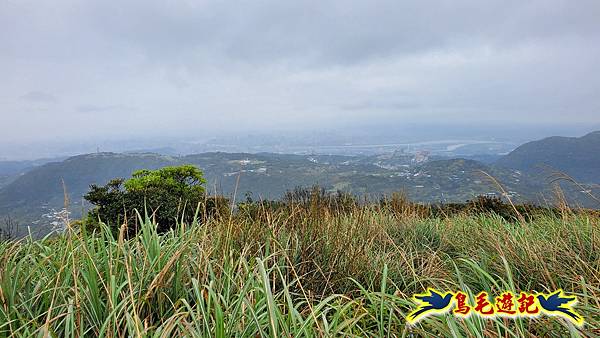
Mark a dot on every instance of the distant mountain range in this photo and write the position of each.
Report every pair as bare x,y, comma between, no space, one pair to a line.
10,170
577,156
34,194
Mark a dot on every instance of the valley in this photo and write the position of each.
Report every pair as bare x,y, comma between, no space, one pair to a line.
35,195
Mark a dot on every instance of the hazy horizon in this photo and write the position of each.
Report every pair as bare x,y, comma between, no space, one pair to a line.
292,140
77,75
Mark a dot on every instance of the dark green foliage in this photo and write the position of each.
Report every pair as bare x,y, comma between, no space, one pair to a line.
400,204
318,199
170,196
486,205
300,202
575,156
315,202
9,229
259,210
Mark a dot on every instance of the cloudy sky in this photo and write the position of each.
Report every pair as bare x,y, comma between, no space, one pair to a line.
98,68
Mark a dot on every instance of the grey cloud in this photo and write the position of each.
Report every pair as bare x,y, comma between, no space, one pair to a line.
91,108
381,105
199,66
337,32
39,97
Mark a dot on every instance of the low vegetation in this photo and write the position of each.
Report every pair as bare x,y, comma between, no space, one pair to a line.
169,189
312,264
312,272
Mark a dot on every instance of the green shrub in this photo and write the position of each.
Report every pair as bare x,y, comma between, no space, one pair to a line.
169,196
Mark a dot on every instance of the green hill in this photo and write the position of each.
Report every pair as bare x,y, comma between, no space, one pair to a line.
11,170
577,157
35,197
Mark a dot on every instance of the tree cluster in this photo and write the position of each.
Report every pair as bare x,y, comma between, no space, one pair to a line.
170,196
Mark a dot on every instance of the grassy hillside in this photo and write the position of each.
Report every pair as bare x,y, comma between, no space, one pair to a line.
312,272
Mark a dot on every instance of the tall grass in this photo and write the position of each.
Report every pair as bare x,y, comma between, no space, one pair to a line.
296,275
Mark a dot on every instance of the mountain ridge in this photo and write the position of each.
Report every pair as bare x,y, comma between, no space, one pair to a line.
575,156
39,191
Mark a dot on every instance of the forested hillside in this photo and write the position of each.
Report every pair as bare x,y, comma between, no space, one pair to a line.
579,157
36,196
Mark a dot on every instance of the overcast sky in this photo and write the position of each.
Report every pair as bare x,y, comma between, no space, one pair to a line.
98,68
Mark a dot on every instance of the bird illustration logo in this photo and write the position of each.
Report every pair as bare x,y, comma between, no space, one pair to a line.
430,302
527,305
558,304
